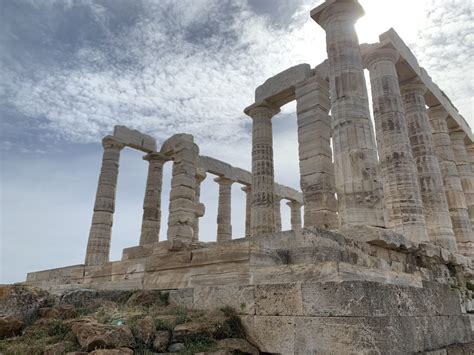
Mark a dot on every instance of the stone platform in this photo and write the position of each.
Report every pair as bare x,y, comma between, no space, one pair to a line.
358,290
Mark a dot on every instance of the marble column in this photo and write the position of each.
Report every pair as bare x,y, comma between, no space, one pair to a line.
224,226
200,177
295,208
183,209
248,207
151,221
277,211
317,179
452,182
470,152
262,216
463,163
430,180
403,205
98,246
358,187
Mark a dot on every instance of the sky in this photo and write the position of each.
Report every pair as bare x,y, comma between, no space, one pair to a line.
70,70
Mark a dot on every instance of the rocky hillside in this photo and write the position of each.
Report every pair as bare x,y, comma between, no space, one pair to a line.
84,321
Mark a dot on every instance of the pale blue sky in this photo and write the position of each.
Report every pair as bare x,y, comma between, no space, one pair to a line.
71,70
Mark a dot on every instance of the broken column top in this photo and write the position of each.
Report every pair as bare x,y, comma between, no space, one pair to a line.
135,139
319,13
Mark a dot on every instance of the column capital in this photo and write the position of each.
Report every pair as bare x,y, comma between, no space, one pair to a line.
438,111
414,85
200,175
247,189
222,180
457,134
336,9
261,108
155,156
377,54
112,142
294,204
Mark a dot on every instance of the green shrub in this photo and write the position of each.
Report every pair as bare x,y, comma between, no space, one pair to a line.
470,285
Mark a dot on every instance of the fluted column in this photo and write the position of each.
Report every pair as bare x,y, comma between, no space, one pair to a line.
430,180
470,153
452,182
224,226
463,163
98,246
248,207
295,208
152,202
200,177
262,216
358,188
317,179
402,195
277,211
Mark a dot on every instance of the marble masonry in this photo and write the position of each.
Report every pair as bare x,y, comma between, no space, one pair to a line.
380,255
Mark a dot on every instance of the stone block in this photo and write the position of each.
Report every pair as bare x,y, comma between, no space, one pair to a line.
168,261
183,297
240,298
280,88
226,252
166,279
271,334
135,139
278,299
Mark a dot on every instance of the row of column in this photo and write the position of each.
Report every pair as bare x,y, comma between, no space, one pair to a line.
98,247
421,162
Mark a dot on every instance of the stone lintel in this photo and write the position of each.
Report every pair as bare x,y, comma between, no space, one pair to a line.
135,139
280,89
320,13
408,67
156,156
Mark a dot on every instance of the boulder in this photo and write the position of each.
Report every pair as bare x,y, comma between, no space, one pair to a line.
145,331
176,348
65,311
91,334
57,349
10,327
162,339
23,303
146,298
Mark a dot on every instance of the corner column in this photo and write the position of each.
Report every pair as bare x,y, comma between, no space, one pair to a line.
248,207
398,171
262,215
317,179
98,245
152,202
277,211
358,188
430,180
224,226
463,164
295,208
452,182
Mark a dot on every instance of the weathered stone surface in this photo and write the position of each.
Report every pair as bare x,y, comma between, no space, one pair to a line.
240,298
278,299
92,335
121,351
162,339
239,346
22,303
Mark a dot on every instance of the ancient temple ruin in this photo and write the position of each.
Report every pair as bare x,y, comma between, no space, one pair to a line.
385,258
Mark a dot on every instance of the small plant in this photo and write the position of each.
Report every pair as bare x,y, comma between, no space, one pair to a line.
182,315
470,286
232,326
58,328
165,298
196,343
242,306
162,325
